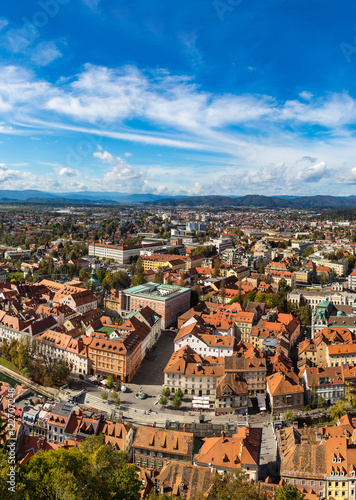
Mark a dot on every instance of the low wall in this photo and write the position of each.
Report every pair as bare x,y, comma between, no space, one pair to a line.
45,391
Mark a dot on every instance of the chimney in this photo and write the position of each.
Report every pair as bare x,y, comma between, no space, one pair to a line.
223,434
154,424
184,427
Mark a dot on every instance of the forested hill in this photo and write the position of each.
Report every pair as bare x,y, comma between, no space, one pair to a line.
260,201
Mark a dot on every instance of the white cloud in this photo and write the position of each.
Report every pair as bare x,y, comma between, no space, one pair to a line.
120,175
68,172
18,40
45,53
346,176
313,173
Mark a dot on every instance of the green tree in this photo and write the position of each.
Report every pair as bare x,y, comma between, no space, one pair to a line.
288,492
104,395
290,416
179,392
159,278
176,402
234,486
307,252
163,401
321,402
109,382
337,410
92,472
166,392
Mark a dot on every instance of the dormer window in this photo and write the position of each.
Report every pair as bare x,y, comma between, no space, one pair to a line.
339,460
353,473
332,473
334,459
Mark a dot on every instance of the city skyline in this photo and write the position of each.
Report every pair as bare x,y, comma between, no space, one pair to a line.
222,97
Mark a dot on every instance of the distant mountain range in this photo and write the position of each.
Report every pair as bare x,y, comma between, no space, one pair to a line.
34,196
259,201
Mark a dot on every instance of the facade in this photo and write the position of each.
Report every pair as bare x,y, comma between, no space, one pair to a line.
231,394
249,366
325,382
205,344
121,254
120,358
285,392
244,322
193,374
351,280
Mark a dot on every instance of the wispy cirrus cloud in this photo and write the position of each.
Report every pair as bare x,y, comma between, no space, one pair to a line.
249,133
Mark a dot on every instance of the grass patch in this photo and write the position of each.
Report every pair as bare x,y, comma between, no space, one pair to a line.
9,365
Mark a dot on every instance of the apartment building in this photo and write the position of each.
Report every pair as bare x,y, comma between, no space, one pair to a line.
120,357
327,382
285,392
204,343
61,346
193,374
351,280
244,323
250,366
122,254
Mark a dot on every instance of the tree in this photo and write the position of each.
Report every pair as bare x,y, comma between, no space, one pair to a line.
109,382
288,492
90,472
307,252
177,402
217,267
261,269
222,292
139,278
234,486
159,278
321,402
290,416
166,392
179,392
105,395
163,401
337,410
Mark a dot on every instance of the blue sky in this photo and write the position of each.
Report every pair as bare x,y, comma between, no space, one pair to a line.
192,97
